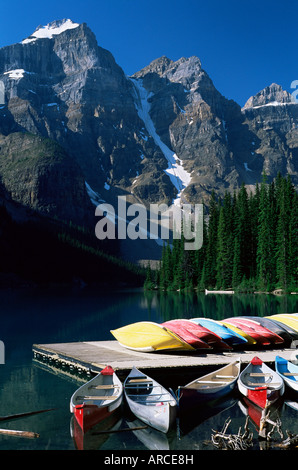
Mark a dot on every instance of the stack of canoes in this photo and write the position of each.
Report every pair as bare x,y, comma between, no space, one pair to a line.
207,334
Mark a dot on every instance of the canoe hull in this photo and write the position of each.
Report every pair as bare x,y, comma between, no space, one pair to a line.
160,417
229,336
211,339
148,336
275,327
250,340
288,372
260,384
88,416
189,397
185,331
209,387
263,336
149,401
286,319
97,399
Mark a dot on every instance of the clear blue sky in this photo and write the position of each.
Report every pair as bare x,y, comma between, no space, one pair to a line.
243,45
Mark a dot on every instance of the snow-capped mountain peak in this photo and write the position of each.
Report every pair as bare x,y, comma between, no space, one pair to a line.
51,29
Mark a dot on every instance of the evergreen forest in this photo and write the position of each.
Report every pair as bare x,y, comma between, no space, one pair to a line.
250,243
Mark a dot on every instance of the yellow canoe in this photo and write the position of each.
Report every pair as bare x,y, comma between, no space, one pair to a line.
287,319
146,336
249,339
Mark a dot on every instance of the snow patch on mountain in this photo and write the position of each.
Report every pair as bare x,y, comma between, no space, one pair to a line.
17,74
50,30
178,175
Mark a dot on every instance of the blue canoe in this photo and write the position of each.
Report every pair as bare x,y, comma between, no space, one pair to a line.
229,336
288,371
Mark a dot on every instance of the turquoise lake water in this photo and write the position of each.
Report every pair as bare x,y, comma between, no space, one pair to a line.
49,316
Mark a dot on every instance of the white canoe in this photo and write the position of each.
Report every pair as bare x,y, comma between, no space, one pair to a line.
149,401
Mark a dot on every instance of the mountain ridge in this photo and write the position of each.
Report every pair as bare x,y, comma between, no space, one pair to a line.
61,85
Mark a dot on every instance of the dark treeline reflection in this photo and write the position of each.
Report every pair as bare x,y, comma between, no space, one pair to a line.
170,305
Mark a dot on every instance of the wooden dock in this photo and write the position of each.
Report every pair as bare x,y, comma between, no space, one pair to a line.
94,355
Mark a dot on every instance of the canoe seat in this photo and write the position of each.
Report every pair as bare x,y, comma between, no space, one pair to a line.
225,377
104,387
260,374
263,384
139,381
96,397
218,382
289,373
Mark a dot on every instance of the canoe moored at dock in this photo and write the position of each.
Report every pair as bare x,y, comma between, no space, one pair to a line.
229,336
263,336
97,399
288,372
260,384
212,340
186,334
149,401
211,386
146,336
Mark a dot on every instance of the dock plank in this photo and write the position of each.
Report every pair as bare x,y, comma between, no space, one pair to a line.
94,355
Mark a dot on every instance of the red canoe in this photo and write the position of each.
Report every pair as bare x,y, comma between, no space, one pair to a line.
262,335
260,384
97,399
198,331
186,335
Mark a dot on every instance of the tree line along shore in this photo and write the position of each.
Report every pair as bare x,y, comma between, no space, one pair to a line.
250,243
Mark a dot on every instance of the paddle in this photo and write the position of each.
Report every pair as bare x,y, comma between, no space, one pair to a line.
23,415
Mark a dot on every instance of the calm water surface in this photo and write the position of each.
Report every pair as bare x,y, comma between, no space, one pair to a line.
49,316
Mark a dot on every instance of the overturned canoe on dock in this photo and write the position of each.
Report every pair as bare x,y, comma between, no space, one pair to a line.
186,333
278,328
97,399
229,336
250,340
210,386
204,334
286,319
146,336
149,401
263,336
260,384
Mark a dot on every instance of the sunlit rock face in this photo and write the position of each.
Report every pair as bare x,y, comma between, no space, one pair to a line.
165,134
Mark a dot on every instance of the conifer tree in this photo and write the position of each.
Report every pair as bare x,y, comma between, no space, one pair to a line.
211,246
237,274
264,249
242,231
283,243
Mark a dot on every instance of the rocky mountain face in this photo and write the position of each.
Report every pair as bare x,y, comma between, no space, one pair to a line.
75,130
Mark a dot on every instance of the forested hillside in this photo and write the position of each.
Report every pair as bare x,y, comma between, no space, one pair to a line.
250,243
